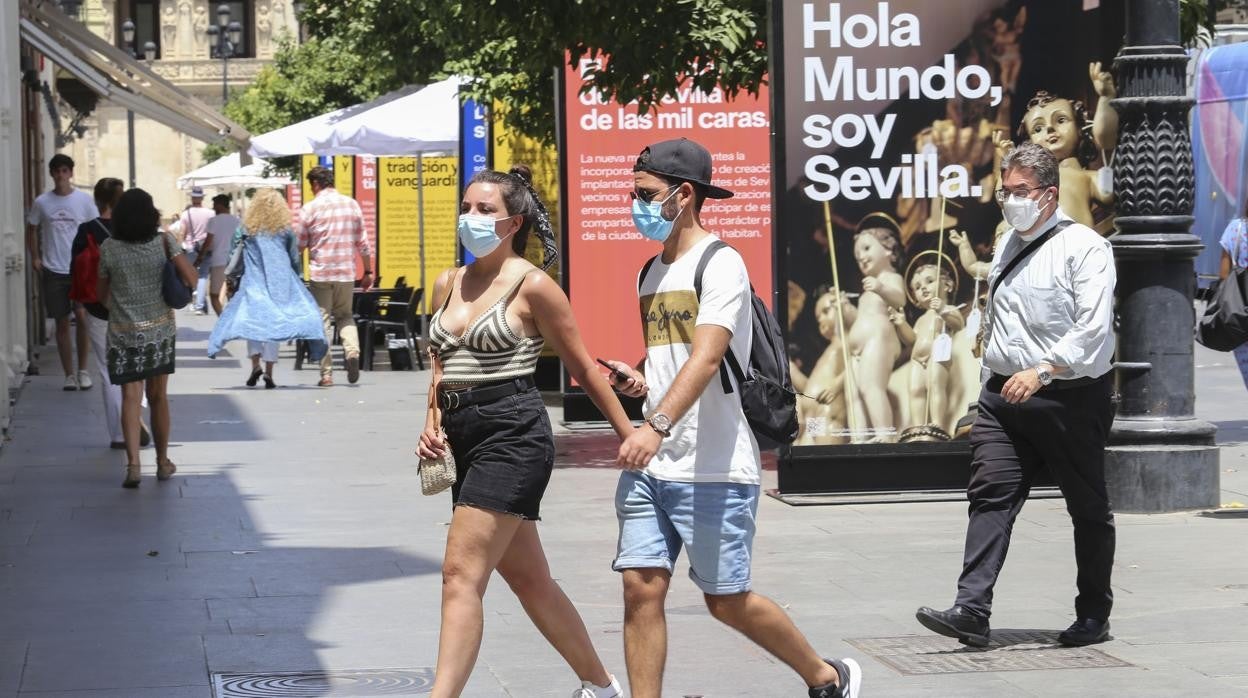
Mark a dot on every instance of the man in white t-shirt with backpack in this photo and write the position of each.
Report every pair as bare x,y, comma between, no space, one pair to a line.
692,472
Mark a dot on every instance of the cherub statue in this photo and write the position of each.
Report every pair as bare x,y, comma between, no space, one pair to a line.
932,287
873,342
825,386
1006,38
1062,126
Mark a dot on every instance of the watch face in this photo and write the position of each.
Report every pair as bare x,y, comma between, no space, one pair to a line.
661,422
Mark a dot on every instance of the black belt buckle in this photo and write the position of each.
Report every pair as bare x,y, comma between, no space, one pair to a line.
450,399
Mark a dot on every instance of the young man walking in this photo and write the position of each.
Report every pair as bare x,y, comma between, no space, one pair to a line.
1049,343
331,229
692,475
53,223
221,229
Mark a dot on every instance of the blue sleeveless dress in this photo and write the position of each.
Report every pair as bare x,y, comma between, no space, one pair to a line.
272,304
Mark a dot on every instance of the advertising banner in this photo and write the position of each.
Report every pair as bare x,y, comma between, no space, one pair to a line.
892,119
513,148
416,220
474,146
344,174
604,252
365,186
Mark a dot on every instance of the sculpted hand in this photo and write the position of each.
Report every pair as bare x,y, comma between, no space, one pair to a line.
1102,81
936,304
896,316
958,238
431,443
870,285
639,448
1021,386
633,386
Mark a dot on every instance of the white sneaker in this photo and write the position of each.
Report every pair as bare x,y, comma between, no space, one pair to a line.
84,380
71,382
589,690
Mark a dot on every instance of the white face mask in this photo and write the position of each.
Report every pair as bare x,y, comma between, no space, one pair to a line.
1022,212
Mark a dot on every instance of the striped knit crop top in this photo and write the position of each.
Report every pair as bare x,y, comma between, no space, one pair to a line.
489,349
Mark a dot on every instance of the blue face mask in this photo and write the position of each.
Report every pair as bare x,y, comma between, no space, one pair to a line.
648,217
477,234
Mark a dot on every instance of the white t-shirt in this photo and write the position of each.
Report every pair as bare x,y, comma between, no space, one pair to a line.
712,442
58,218
222,228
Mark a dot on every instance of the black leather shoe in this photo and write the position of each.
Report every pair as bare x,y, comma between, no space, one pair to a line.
1085,631
958,623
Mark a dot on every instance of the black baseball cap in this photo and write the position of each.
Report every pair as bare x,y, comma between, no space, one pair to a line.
681,159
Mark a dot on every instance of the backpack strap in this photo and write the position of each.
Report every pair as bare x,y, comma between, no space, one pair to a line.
645,269
729,360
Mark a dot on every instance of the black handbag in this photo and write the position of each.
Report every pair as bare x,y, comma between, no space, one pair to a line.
175,292
1224,325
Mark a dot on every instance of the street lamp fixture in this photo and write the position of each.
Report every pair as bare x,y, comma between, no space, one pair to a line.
224,39
223,15
149,51
71,7
127,33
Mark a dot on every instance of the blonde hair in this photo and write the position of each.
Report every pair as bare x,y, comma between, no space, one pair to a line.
267,214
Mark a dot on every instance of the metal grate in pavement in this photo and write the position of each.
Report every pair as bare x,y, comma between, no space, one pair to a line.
1010,650
324,684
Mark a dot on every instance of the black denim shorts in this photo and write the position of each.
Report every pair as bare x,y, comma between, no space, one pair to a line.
504,454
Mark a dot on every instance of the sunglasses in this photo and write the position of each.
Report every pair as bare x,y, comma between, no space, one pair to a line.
646,197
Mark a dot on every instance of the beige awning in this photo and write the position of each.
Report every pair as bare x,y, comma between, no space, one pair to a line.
121,79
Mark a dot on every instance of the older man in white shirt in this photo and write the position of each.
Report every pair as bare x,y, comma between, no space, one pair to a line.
1048,347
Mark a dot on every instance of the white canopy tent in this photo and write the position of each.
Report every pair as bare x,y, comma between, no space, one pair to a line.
229,173
295,139
422,123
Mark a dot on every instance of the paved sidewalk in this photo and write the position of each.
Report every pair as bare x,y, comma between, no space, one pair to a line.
294,539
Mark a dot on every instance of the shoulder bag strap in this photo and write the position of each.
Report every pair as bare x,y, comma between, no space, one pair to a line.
1026,252
729,359
645,269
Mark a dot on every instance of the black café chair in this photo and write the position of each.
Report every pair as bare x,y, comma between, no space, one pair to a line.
389,310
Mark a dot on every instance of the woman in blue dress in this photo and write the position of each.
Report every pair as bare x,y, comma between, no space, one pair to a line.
271,303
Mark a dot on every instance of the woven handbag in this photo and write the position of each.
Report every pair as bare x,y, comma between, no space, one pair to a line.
437,474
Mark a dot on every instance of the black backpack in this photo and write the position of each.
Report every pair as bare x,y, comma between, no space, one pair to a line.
767,395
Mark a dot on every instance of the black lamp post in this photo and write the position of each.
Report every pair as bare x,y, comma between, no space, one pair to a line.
298,6
70,7
1160,457
149,54
224,38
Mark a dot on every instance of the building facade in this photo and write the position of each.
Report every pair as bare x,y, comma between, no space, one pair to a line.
179,29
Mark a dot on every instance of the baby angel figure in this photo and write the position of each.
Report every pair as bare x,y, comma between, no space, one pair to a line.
823,407
873,343
932,288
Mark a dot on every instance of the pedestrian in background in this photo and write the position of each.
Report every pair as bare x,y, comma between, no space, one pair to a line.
693,470
331,229
494,316
53,222
271,304
94,232
221,229
1049,343
142,332
197,242
1234,244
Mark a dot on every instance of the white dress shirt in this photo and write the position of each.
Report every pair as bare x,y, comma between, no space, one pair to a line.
1056,306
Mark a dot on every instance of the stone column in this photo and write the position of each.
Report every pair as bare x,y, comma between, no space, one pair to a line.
1160,458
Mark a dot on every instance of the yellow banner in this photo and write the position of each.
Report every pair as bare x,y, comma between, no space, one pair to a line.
307,162
399,221
511,148
344,175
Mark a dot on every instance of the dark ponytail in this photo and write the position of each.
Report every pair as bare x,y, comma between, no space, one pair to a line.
521,199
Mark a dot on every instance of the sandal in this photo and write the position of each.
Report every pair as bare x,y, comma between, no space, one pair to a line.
165,470
254,377
132,477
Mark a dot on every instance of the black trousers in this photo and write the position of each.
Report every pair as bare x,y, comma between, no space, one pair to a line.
1064,430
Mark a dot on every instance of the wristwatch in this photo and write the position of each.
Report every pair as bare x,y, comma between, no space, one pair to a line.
660,423
1045,375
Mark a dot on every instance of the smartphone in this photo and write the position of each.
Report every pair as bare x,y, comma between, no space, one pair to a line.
619,375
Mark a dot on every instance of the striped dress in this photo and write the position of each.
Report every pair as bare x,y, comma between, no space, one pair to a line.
489,350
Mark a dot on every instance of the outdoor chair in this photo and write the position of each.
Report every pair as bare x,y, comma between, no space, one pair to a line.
394,310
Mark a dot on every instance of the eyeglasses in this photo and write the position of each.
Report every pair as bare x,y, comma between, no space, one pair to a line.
1020,192
646,197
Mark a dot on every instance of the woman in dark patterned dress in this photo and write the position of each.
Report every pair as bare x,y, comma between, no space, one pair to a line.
141,327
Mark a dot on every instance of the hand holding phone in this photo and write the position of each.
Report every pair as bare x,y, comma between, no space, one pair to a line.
616,373
625,383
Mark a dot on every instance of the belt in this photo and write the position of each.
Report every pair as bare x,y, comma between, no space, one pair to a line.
997,381
451,400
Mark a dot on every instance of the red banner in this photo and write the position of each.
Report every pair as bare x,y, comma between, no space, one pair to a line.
604,251
366,197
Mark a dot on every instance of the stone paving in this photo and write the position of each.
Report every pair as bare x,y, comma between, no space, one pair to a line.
294,540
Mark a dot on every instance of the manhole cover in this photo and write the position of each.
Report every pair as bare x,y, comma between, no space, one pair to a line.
324,684
1017,650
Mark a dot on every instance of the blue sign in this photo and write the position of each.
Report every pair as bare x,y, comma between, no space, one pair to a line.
474,149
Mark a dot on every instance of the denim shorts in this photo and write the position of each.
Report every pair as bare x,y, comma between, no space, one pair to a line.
504,454
713,520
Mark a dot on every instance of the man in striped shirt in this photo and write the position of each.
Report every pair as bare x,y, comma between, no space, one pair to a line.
331,229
